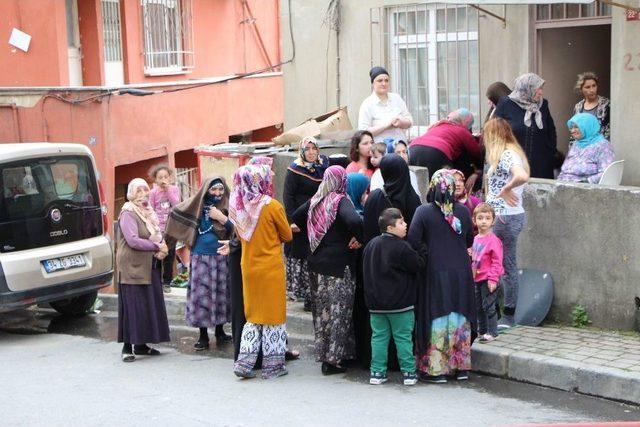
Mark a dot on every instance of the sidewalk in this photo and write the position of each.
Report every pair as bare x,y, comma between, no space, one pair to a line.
597,363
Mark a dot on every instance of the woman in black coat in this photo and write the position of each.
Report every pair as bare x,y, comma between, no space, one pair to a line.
530,119
301,183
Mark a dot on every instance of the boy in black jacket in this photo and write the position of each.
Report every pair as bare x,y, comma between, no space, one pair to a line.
389,265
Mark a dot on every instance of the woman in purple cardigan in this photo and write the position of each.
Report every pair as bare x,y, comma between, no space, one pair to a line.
142,316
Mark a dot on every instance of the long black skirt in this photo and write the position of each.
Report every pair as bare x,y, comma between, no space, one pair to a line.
142,315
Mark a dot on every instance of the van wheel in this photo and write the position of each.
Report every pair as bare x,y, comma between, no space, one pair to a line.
76,306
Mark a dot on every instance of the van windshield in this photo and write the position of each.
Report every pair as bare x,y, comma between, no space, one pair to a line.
47,201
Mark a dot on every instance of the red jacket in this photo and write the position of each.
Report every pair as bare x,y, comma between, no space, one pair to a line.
451,139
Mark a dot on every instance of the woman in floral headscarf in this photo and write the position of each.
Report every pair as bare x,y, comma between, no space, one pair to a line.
142,316
334,229
445,311
301,182
261,225
530,119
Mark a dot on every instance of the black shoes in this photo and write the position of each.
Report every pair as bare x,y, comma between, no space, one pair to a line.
329,369
201,345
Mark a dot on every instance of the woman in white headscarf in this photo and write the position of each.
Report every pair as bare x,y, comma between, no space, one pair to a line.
142,316
530,119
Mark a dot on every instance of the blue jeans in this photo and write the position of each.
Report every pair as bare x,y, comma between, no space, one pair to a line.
508,228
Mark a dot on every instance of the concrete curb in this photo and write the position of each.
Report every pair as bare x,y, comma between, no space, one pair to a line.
548,371
563,374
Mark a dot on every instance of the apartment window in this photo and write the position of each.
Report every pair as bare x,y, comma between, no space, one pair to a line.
432,53
168,37
568,11
111,30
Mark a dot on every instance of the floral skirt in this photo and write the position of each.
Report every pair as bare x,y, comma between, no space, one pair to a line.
333,317
208,294
298,277
449,347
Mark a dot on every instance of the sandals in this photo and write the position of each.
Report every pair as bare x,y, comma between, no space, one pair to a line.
291,355
128,357
145,350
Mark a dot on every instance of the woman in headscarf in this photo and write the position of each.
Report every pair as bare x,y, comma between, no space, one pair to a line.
530,119
448,142
397,192
300,184
334,229
142,316
357,185
261,225
445,311
384,114
590,153
208,297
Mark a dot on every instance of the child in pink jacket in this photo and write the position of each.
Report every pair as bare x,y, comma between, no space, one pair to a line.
486,262
163,198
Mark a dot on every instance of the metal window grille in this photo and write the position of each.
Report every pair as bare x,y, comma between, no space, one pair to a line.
432,53
168,36
570,11
187,181
111,30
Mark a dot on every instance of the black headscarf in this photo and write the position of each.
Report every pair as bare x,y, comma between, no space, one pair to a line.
376,71
397,193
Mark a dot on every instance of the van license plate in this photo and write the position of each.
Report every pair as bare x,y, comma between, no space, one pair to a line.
64,263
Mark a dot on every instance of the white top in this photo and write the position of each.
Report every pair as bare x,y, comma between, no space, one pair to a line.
374,112
499,178
378,182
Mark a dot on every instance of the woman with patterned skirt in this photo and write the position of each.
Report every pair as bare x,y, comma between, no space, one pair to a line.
334,229
441,232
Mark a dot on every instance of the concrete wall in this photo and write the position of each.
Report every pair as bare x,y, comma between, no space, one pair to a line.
625,93
588,238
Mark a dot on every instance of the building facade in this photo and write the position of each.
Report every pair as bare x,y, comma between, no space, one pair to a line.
141,82
442,56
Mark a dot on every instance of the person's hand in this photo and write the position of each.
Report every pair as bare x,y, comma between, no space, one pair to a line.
217,215
295,228
162,247
160,255
471,182
396,122
492,286
354,244
509,196
470,251
224,249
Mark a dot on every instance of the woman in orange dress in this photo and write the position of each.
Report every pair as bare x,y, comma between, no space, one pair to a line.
262,226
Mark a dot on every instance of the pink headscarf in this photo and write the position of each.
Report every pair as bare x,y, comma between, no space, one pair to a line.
263,161
323,208
252,191
139,205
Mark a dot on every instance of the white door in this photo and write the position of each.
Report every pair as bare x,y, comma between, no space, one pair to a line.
113,65
73,43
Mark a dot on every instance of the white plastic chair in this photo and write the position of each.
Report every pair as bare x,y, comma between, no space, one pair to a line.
612,175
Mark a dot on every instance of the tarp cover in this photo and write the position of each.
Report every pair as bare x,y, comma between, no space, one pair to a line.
521,2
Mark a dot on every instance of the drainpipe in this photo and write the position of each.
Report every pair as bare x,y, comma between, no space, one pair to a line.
338,67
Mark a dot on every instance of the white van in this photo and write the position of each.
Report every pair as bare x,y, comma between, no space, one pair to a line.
54,245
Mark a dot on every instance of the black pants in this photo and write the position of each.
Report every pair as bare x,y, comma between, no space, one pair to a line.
167,266
434,160
486,308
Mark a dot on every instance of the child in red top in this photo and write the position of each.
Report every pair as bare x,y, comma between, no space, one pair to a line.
486,263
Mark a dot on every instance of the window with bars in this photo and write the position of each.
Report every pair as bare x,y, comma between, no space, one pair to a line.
432,53
111,30
168,37
567,11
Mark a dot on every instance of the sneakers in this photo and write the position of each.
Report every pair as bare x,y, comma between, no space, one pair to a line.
378,378
462,375
434,379
409,378
486,338
506,322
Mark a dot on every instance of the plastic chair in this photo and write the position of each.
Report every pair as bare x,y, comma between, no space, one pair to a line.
612,175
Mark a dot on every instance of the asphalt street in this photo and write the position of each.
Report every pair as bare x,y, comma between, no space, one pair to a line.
57,371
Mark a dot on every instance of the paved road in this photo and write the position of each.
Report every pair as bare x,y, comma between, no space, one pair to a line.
58,371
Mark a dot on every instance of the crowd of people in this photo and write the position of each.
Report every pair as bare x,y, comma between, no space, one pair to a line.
390,281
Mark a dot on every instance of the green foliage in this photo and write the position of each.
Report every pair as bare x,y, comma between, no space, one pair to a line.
579,317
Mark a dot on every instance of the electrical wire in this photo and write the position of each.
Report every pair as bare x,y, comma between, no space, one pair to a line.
143,92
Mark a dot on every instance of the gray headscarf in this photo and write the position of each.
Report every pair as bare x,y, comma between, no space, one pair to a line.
524,90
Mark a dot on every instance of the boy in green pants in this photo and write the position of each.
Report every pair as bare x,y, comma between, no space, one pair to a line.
389,265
